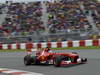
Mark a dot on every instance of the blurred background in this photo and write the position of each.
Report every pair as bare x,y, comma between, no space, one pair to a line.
49,20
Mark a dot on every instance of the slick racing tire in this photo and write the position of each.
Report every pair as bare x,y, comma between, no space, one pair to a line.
57,61
27,60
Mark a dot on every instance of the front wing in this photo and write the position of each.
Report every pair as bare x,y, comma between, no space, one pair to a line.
79,61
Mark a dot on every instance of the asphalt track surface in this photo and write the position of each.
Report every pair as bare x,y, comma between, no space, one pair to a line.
92,67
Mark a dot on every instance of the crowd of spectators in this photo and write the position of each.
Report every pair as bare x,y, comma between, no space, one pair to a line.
66,15
1,8
94,8
22,19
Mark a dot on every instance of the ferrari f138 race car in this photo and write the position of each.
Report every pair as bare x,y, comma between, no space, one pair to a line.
57,59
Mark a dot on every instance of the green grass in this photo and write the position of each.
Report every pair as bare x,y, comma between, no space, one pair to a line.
77,48
69,48
74,48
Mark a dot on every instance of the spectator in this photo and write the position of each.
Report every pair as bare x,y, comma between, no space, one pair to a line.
65,16
23,19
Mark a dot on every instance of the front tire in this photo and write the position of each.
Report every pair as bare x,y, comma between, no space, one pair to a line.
57,61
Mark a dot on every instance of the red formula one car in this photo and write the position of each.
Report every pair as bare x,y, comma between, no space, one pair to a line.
57,59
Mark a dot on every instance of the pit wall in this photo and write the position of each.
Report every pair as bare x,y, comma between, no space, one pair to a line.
58,44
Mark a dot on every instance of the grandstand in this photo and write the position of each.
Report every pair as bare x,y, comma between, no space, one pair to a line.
52,20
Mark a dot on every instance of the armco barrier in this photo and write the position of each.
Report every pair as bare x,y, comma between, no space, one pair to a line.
51,44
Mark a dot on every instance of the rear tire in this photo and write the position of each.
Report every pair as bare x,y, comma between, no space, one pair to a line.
27,60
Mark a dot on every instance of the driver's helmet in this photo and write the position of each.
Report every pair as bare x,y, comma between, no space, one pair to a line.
47,49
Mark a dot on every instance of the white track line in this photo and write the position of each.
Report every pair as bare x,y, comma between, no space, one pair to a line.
17,72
